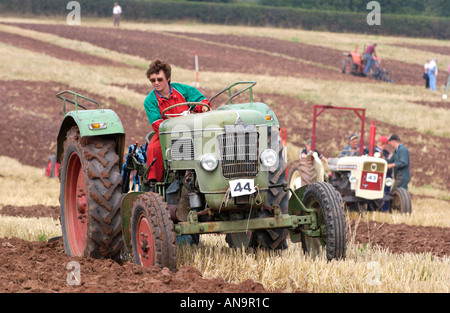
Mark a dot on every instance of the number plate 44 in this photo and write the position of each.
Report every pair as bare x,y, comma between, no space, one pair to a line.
241,187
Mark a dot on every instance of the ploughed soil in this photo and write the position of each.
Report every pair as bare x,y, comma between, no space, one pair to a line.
31,115
44,267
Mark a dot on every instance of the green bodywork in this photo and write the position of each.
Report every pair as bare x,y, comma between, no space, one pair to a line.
201,131
84,119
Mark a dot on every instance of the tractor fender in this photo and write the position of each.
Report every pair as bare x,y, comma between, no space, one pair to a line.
92,123
356,57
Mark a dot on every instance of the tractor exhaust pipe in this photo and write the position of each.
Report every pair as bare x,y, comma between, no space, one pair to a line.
373,129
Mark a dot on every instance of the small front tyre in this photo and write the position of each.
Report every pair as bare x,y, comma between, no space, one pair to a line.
152,236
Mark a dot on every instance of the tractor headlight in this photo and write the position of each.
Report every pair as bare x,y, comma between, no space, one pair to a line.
353,180
389,182
269,158
209,162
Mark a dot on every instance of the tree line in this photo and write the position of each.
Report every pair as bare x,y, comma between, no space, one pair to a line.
403,7
251,14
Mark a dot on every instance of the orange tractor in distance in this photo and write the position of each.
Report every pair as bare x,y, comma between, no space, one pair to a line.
355,64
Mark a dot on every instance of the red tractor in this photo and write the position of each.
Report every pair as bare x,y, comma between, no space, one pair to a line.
355,64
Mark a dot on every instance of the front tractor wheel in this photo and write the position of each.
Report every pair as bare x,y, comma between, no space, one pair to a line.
90,197
323,198
152,236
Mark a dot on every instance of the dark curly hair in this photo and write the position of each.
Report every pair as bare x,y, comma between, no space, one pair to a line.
156,66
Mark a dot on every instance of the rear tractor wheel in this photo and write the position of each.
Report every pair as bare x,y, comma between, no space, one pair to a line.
90,197
401,201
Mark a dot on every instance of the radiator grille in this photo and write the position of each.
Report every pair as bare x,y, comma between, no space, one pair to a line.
182,149
239,154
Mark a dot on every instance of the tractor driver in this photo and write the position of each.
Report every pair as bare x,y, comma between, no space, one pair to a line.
370,53
352,149
165,94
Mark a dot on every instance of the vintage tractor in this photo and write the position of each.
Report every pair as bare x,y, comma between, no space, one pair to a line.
355,64
224,173
361,180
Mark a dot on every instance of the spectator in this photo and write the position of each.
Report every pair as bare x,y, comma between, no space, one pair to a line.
448,79
352,149
432,73
425,74
307,149
399,162
370,53
381,147
117,12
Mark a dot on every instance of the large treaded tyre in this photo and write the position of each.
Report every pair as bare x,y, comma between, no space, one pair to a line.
302,172
152,236
91,197
327,201
401,201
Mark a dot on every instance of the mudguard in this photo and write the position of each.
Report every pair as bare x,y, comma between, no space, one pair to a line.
99,122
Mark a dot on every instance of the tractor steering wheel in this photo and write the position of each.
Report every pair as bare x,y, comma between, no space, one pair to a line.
190,104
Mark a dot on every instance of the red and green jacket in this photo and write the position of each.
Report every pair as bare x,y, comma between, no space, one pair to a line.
154,103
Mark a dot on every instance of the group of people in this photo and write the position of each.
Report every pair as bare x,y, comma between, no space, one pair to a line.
398,160
430,72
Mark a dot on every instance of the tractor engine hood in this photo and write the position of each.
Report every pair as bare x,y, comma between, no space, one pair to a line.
213,120
234,138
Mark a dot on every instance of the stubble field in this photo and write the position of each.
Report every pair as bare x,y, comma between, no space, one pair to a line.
294,70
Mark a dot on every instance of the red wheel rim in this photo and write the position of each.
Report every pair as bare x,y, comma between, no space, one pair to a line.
75,206
48,168
57,167
144,241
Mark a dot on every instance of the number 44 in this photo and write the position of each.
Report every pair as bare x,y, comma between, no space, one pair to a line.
239,188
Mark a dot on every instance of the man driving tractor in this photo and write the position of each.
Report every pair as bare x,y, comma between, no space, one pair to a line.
164,95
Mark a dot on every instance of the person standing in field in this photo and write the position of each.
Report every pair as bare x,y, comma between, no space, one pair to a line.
425,74
370,53
399,162
432,73
117,12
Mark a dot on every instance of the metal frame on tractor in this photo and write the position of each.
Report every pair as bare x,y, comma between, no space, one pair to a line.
360,180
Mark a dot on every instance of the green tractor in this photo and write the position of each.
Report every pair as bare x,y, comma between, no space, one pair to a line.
224,174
